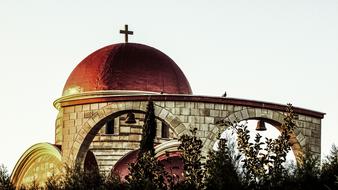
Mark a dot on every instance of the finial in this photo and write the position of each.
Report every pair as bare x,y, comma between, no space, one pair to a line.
126,32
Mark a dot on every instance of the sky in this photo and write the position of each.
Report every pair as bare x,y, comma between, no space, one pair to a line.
282,51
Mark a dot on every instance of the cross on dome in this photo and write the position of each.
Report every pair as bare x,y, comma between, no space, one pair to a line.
126,32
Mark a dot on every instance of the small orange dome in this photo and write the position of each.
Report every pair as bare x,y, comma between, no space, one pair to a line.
127,67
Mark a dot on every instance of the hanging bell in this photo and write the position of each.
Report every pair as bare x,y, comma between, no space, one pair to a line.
260,126
130,118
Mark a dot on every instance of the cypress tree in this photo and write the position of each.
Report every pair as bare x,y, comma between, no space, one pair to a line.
149,131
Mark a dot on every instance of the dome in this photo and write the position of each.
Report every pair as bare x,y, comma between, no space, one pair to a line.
127,67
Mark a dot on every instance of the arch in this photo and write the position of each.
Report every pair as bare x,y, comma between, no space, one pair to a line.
48,154
168,146
272,117
90,128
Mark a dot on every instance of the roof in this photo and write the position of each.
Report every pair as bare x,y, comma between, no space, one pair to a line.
127,67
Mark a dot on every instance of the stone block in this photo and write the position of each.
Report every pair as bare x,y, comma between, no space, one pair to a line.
69,109
315,148
185,111
124,129
72,116
169,104
215,129
78,122
308,119
179,104
157,110
175,122
88,114
180,128
68,123
209,120
214,113
219,106
101,113
163,114
169,117
183,118
308,132
80,115
78,108
224,113
238,108
192,119
136,105
101,105
232,118
94,106
121,106
245,114
301,117
316,121
252,112
66,116
91,122
200,133
124,138
230,108
194,111
129,105
210,105
269,114
204,112
200,105
238,116
86,107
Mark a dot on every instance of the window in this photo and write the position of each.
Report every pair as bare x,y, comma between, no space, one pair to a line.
165,130
110,127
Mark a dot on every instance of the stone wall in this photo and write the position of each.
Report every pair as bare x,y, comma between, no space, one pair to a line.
81,125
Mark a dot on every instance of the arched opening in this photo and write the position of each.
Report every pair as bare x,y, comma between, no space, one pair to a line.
90,163
114,136
256,125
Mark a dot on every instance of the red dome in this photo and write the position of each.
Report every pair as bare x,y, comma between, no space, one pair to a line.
129,67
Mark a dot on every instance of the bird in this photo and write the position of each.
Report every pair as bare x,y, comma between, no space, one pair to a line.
225,94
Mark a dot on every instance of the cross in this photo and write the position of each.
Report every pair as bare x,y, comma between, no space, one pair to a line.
126,33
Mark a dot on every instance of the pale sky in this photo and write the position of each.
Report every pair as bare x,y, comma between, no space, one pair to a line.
276,51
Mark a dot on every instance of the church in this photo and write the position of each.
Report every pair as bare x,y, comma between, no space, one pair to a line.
103,104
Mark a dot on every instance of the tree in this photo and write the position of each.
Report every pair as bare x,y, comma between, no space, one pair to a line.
307,173
330,169
147,172
220,169
149,131
191,147
5,182
263,168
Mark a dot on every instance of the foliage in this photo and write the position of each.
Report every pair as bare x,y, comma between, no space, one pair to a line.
220,169
191,147
330,169
307,174
264,167
76,178
5,182
147,172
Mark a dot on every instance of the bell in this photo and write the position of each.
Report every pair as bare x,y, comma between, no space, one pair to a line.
130,118
260,126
